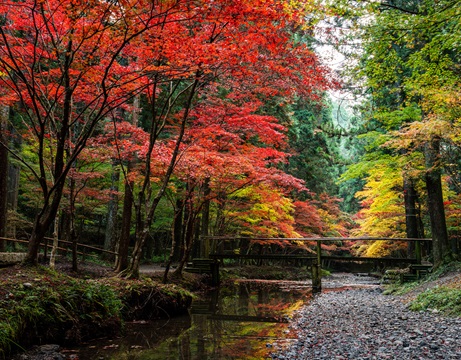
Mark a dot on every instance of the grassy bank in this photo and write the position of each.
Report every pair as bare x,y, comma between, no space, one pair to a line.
39,305
438,292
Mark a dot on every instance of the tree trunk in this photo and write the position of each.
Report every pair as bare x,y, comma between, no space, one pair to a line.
4,112
219,227
54,248
13,191
440,245
188,242
70,233
142,232
204,231
411,220
112,209
124,241
176,230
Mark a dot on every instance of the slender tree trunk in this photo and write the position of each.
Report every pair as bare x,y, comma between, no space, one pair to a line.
142,233
13,191
220,220
54,248
188,243
71,227
4,112
41,225
440,245
124,241
176,231
204,231
112,210
411,220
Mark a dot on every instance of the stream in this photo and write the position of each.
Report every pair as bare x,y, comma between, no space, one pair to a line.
238,322
244,321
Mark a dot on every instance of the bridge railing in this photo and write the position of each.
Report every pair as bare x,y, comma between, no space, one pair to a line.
214,244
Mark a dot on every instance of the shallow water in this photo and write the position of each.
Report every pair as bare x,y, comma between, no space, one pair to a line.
239,322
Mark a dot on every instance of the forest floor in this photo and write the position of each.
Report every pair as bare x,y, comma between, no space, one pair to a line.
352,318
42,306
361,322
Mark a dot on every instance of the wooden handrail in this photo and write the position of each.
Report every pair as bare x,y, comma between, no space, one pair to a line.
360,238
62,241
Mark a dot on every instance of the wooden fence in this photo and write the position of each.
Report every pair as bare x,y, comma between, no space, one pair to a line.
84,246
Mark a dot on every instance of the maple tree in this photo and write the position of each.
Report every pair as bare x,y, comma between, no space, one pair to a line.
240,46
409,72
61,62
169,92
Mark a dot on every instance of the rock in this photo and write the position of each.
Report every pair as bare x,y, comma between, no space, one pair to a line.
362,323
43,352
48,348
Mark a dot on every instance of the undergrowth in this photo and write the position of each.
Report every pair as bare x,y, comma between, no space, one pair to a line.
45,305
444,299
39,305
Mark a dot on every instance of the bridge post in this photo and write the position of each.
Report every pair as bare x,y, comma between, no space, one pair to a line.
316,277
319,252
214,268
418,251
317,269
206,247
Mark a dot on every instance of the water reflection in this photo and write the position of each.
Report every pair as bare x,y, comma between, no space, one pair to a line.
236,322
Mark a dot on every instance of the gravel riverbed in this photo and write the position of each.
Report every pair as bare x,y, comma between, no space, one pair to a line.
359,322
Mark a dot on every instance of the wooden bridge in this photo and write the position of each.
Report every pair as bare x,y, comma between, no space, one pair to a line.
216,252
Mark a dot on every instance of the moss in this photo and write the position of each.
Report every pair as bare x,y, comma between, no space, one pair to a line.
444,299
148,299
38,305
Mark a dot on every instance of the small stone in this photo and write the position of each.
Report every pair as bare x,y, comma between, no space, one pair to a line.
49,348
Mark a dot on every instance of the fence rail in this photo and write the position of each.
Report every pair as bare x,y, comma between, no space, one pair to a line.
63,242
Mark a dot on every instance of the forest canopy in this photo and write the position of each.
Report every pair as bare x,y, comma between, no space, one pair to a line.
142,127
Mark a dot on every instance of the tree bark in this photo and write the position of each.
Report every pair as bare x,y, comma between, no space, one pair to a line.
70,233
411,220
4,113
204,231
112,210
124,241
54,248
142,232
188,241
176,235
13,191
440,245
